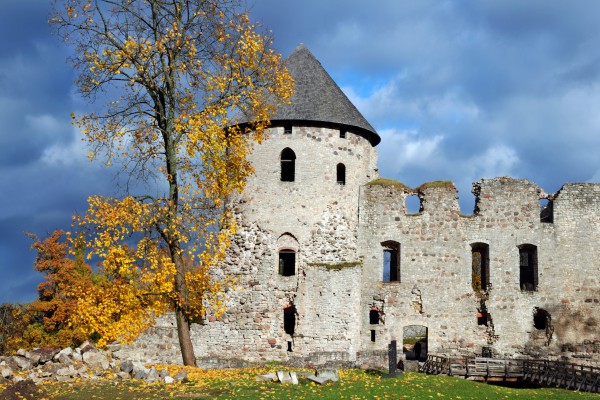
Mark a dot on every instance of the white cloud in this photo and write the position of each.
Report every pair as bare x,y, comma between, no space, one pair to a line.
498,160
405,149
67,154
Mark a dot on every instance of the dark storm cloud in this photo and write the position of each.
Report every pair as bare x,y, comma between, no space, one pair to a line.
458,90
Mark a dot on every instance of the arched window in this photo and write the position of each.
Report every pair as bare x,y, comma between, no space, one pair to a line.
341,174
480,272
528,267
288,165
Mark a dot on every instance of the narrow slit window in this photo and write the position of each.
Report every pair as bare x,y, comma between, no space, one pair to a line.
372,335
391,261
374,316
341,174
528,267
287,262
288,165
343,133
480,272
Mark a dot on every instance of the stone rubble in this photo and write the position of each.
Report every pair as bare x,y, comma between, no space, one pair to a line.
86,361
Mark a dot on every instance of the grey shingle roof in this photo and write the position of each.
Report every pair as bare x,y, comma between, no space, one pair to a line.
318,100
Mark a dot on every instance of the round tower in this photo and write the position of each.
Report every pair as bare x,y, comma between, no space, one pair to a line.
295,254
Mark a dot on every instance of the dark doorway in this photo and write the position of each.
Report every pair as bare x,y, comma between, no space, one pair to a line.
415,342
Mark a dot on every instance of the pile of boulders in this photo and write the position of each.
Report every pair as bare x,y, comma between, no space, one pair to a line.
86,361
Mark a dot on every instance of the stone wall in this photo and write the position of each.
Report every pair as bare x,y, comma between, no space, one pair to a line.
339,233
435,260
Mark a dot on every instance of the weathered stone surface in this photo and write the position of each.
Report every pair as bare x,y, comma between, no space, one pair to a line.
317,379
294,377
266,377
152,375
168,380
127,366
95,360
328,374
22,362
6,372
181,376
284,377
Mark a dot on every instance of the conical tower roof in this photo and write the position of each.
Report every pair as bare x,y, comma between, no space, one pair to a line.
318,100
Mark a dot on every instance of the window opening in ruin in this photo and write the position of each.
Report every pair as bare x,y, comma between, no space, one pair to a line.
374,316
341,174
288,165
480,273
528,267
287,262
413,204
482,318
289,345
414,342
546,211
372,335
287,129
541,319
391,261
289,319
342,133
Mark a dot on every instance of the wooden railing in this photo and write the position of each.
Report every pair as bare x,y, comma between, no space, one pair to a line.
541,372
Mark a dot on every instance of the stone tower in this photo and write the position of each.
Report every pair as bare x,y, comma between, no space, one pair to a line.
295,255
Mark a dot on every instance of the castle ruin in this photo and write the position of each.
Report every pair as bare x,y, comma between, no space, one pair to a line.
331,266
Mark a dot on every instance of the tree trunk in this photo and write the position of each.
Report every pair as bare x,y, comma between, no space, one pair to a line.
185,339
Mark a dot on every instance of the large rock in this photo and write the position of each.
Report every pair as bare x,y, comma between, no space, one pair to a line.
127,366
96,360
181,376
6,372
22,362
152,375
67,351
43,354
328,374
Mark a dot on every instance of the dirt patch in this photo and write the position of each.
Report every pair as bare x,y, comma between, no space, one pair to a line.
23,390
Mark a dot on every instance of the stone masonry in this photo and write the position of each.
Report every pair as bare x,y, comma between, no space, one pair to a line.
314,252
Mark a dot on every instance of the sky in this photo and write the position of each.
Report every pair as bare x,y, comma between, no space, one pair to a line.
458,90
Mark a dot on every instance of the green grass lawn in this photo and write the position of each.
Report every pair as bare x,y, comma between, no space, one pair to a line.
354,384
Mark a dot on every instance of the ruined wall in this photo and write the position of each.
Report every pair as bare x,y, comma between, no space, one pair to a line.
435,287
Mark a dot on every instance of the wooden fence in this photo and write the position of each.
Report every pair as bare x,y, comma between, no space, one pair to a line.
541,372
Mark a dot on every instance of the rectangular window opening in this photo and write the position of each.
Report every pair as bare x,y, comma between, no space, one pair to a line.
391,261
372,335
287,262
287,129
